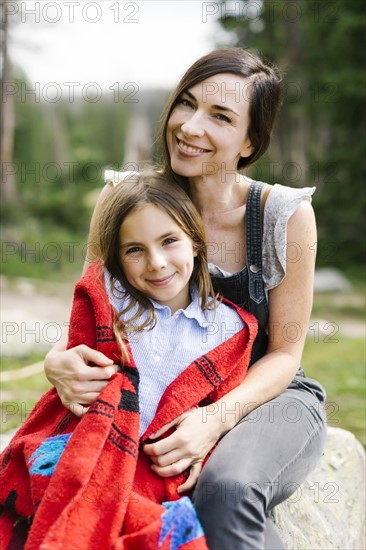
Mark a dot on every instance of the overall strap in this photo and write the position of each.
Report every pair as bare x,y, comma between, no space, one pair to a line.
258,300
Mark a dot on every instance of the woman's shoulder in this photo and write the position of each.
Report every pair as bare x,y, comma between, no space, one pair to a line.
284,194
278,196
281,203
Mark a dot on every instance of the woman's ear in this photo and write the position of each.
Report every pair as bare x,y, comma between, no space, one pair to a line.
247,149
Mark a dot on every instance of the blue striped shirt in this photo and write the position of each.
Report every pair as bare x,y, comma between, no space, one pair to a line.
163,352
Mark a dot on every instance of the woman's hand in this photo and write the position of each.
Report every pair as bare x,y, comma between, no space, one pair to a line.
78,384
196,433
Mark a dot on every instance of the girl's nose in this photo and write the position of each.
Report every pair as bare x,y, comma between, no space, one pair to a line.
156,261
193,126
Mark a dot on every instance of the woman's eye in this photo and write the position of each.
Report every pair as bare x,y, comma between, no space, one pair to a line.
169,241
185,102
222,117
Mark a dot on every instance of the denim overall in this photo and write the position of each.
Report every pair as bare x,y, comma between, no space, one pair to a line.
270,452
246,288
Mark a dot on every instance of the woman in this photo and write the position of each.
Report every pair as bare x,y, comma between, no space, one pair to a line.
219,120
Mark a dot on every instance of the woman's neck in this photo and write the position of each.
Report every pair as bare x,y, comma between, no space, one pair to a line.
213,197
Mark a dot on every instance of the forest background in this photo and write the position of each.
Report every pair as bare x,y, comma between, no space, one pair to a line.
54,153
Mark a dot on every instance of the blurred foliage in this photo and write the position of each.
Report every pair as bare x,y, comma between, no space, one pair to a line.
60,152
61,148
38,251
320,48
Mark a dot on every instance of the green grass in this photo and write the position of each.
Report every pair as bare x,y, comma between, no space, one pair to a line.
48,254
13,363
18,397
340,367
345,304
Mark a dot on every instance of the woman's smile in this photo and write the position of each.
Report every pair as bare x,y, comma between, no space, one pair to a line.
189,149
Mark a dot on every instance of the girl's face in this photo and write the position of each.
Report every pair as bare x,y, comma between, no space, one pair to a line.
207,129
157,257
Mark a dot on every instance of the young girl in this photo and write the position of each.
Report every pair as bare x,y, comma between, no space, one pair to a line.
150,307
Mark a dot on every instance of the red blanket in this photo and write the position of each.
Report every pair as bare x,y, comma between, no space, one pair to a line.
85,483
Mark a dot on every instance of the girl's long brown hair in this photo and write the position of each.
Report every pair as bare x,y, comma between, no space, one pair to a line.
137,190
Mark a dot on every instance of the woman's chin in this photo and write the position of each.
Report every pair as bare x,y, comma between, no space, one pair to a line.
181,169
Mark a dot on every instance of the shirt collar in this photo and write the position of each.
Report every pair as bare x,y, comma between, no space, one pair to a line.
192,311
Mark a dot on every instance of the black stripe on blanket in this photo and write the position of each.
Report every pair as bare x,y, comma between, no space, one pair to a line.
208,370
105,334
102,407
123,441
62,425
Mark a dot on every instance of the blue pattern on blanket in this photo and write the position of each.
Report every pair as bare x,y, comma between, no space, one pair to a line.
181,521
44,460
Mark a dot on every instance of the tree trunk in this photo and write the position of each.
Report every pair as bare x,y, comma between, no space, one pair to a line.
7,120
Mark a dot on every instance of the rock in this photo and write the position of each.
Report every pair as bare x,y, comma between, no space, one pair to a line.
328,510
330,280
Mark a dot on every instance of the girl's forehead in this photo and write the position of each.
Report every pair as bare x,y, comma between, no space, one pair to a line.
151,211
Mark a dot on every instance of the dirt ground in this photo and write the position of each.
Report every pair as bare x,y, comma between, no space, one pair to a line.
34,314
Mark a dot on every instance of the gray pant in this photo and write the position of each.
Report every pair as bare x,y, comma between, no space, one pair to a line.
257,465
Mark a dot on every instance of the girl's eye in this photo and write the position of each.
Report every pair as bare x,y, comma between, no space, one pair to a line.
133,250
170,240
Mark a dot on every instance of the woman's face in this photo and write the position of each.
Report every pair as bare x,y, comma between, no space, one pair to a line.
207,129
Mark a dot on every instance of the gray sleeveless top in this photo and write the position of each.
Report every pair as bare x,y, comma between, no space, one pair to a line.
281,203
265,255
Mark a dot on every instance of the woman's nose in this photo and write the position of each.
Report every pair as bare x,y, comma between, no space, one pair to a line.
193,126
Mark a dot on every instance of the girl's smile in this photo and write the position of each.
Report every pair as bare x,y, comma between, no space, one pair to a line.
161,282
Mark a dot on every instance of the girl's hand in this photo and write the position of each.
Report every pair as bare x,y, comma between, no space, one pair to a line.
197,431
78,384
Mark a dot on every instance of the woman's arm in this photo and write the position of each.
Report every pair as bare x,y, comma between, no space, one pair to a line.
76,383
290,306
